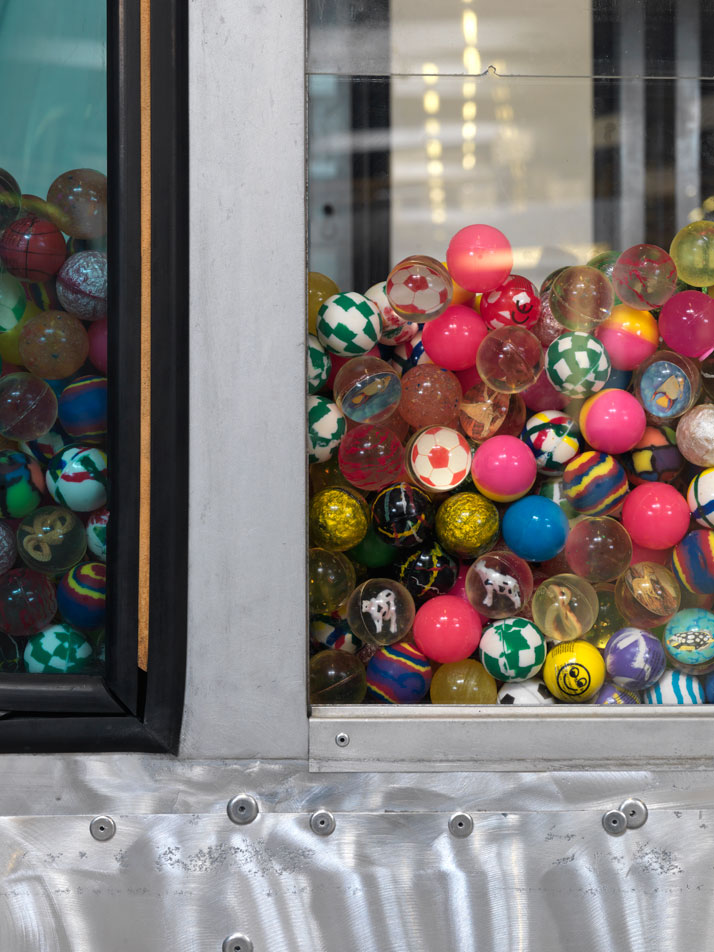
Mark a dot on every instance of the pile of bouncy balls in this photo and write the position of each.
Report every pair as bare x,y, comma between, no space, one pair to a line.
512,488
53,425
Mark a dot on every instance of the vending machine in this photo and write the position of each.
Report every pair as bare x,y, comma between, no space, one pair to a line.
356,475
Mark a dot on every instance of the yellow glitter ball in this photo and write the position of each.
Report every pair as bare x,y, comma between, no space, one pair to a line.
339,518
467,524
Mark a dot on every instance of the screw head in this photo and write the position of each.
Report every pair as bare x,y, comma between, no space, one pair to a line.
635,812
102,828
242,809
461,825
614,822
237,942
342,739
322,822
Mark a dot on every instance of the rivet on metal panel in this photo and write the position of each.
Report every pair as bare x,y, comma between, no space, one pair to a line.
102,828
342,739
322,822
237,943
242,809
461,825
635,813
614,822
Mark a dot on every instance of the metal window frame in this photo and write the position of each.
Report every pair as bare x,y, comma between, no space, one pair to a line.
129,709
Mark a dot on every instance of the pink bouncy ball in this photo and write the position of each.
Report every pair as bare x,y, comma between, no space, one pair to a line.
452,340
479,257
686,324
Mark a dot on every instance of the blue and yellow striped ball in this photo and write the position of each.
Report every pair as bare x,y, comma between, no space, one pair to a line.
398,674
82,409
594,483
693,561
81,595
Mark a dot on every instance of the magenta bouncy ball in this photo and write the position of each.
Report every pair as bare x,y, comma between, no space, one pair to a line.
453,339
479,257
503,468
612,421
686,324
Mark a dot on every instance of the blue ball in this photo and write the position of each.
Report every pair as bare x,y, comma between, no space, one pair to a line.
620,379
535,528
708,685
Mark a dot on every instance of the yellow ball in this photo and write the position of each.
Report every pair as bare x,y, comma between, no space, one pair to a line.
467,525
692,250
574,671
319,288
338,519
463,682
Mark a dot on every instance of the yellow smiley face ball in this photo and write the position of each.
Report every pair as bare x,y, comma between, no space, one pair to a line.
574,671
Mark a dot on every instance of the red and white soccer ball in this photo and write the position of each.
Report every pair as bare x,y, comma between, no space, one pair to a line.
514,302
419,286
439,458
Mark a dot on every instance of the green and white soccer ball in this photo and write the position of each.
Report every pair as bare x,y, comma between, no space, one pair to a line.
577,364
325,428
348,324
512,649
57,649
319,364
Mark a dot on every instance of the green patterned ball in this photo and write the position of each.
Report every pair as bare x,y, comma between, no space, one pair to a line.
325,428
577,364
512,649
348,324
57,649
319,364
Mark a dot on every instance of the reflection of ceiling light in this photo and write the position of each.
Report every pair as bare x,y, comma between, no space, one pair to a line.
468,111
472,59
708,204
433,148
469,24
437,195
431,101
469,161
438,216
468,90
468,146
504,113
432,127
468,130
431,73
435,167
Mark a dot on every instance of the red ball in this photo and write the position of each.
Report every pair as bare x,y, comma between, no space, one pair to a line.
453,339
642,554
447,628
479,257
514,301
542,395
656,515
32,249
98,345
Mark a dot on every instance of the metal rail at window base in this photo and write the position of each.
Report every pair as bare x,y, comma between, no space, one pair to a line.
562,737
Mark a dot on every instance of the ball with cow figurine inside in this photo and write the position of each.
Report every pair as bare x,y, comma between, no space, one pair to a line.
499,584
380,611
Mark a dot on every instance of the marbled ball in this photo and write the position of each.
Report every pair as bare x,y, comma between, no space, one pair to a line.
21,484
97,533
594,483
81,595
634,659
77,478
398,674
82,409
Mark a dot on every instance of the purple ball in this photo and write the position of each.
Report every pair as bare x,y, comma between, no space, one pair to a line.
634,659
610,693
